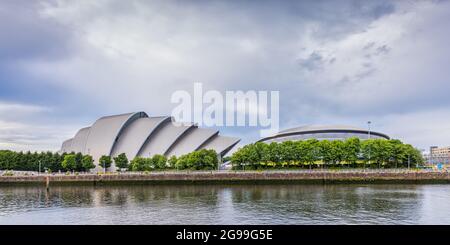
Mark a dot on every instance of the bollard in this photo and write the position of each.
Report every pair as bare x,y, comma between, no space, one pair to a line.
47,182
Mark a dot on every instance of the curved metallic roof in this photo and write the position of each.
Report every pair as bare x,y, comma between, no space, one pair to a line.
221,144
105,132
161,141
311,129
79,141
66,145
136,134
192,141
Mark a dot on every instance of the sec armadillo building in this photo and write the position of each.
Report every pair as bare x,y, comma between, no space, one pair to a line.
137,134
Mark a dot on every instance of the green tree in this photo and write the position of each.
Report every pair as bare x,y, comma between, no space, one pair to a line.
182,162
172,162
338,151
327,152
121,161
198,160
56,162
351,150
159,161
382,152
142,164
87,163
105,162
46,160
209,159
138,164
414,157
312,153
69,163
79,161
367,152
8,160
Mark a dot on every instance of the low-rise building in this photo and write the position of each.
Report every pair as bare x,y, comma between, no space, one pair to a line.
438,155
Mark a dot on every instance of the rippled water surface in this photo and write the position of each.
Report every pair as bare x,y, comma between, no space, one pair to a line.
235,204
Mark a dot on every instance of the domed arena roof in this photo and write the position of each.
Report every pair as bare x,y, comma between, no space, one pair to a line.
321,127
320,132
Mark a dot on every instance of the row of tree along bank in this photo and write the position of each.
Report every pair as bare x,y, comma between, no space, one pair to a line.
54,162
373,153
27,161
352,153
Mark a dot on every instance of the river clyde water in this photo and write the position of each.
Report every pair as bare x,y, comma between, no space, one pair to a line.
231,204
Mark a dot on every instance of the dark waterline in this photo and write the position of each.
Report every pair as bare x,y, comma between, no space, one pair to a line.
235,204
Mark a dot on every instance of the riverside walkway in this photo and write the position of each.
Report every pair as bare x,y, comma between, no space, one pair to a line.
230,176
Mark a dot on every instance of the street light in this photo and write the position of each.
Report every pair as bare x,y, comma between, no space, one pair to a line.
368,137
409,161
39,173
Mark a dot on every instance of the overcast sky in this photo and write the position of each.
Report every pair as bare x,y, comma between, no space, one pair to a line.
63,64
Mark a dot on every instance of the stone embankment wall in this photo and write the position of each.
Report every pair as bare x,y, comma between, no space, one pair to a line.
238,177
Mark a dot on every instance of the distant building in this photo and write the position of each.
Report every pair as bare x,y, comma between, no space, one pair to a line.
438,155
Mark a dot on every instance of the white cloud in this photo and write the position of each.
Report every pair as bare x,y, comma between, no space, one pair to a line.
8,108
421,128
22,128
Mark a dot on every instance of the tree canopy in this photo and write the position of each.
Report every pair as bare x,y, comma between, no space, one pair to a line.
69,162
312,153
28,161
121,161
105,162
197,160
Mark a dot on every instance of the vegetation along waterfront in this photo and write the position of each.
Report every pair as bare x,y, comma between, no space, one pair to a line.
350,153
53,162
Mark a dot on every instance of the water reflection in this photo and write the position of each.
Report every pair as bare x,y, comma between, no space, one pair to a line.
331,204
235,204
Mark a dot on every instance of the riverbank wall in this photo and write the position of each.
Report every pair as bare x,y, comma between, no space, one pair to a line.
233,177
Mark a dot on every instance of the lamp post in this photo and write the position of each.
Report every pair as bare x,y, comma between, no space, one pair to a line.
368,137
409,161
39,173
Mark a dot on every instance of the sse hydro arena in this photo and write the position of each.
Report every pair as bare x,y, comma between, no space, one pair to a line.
331,132
137,134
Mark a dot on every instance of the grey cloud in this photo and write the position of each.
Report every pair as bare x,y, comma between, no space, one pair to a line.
366,64
365,73
373,49
369,45
313,62
130,55
384,49
374,9
27,35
